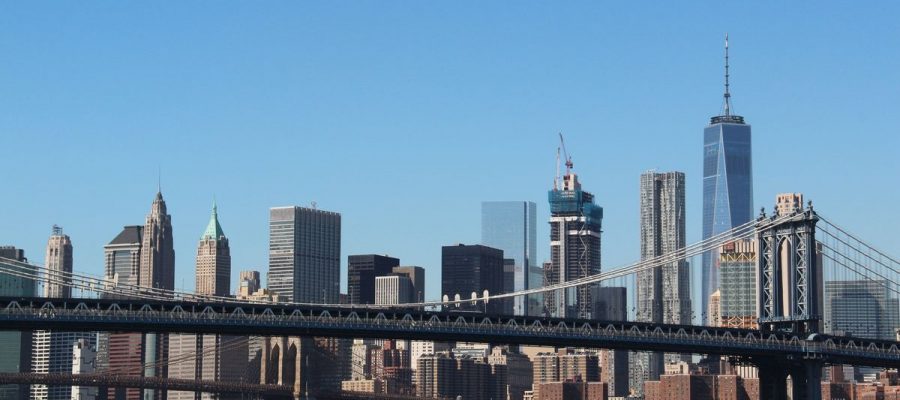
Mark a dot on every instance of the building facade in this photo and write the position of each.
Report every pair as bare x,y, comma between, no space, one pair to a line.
213,274
737,300
472,269
511,226
248,283
304,254
394,289
52,350
862,308
575,227
15,347
361,273
727,182
663,292
416,276
611,304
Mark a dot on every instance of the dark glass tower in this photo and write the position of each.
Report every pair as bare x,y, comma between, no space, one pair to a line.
727,182
361,273
468,269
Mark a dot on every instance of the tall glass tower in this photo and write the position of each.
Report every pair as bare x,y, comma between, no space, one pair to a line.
727,182
510,226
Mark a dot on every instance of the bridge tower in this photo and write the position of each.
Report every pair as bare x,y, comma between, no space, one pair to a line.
789,295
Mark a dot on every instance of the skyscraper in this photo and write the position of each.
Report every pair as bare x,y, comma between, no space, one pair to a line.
248,283
393,289
611,304
213,260
737,301
122,351
304,254
511,226
157,268
361,273
575,227
52,350
213,363
663,292
862,308
59,264
416,276
468,269
727,181
15,347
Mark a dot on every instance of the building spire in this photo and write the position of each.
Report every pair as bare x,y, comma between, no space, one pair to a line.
727,92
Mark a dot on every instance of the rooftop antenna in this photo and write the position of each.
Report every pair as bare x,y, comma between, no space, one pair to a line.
57,230
158,179
727,92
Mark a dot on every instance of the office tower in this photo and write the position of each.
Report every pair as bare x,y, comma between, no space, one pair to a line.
248,283
52,351
861,308
416,276
511,226
361,273
737,293
15,347
727,182
122,351
209,357
536,301
213,260
157,269
418,348
472,269
59,265
393,289
305,254
575,227
83,356
435,376
122,257
519,371
663,292
714,313
611,304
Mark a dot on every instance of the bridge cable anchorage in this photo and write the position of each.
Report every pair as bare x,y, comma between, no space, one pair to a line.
103,286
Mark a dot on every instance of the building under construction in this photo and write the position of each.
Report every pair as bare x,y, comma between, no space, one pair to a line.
575,226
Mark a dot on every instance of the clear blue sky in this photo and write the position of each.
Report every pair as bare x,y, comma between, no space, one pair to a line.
404,116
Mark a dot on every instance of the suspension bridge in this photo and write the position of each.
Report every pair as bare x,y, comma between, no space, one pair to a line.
798,252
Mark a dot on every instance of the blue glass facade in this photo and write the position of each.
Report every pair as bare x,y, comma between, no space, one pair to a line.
510,226
727,188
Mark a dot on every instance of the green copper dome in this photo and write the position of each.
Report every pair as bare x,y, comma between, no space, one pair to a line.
213,229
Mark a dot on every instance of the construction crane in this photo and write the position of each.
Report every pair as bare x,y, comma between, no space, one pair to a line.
569,164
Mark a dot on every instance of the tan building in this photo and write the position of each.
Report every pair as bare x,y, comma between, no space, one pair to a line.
213,260
209,357
362,386
714,313
248,283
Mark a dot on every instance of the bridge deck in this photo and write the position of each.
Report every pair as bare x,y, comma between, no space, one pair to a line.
349,322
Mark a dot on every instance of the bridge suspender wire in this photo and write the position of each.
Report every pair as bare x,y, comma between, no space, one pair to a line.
95,284
872,249
863,252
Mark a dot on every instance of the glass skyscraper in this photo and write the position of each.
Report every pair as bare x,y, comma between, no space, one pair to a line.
727,182
510,226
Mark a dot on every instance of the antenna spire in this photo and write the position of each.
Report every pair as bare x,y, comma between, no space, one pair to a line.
727,92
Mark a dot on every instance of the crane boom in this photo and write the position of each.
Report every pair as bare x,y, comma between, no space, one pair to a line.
569,164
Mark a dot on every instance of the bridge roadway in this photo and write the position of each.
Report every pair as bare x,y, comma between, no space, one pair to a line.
239,318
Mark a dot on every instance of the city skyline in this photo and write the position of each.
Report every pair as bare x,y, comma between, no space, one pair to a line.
762,62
